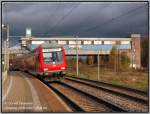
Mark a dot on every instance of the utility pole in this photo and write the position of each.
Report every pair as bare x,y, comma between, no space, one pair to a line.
98,63
118,57
5,55
7,47
77,55
115,59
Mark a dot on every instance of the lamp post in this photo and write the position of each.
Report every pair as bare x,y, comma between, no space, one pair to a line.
6,46
77,55
7,29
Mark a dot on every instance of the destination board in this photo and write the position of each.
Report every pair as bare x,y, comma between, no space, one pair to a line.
51,50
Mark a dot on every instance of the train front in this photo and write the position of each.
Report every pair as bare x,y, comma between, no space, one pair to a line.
54,62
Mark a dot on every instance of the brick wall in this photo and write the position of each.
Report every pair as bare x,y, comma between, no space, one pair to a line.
136,50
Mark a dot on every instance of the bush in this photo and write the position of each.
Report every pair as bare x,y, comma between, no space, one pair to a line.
118,61
125,61
112,57
90,60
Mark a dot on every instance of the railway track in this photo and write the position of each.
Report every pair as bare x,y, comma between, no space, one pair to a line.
67,100
128,101
86,102
86,96
119,87
130,93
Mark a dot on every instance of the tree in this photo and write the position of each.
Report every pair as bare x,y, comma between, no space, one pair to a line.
80,60
117,60
144,51
125,61
90,60
112,58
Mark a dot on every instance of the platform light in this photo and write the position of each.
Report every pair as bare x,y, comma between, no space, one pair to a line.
63,68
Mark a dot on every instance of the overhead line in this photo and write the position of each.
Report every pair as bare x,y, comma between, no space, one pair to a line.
100,10
53,14
90,16
63,18
97,26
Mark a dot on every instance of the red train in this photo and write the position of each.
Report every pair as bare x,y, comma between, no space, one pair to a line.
45,60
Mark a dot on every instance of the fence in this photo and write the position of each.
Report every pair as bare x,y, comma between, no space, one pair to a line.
115,67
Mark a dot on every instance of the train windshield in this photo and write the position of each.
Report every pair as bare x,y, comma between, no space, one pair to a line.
52,56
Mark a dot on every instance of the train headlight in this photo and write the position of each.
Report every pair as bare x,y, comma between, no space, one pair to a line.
63,68
45,69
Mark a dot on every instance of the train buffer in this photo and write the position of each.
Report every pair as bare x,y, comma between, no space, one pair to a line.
22,92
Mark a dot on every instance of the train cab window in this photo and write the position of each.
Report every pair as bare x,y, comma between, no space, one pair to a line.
52,57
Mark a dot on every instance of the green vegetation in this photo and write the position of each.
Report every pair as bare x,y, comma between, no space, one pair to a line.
144,52
116,82
90,60
125,61
113,69
128,77
118,60
113,58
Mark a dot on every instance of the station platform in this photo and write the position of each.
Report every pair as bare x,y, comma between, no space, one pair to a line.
25,93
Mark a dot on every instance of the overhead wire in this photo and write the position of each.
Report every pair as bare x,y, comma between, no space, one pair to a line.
88,17
64,17
113,19
52,15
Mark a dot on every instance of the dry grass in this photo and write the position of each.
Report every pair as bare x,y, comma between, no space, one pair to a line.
131,78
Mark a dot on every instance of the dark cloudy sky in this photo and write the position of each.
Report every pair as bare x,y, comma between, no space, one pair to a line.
85,19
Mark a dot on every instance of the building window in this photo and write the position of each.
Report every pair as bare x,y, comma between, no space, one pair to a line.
125,42
74,42
61,42
97,42
87,42
37,42
23,42
109,42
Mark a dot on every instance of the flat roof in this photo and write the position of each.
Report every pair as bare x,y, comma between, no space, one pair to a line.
72,38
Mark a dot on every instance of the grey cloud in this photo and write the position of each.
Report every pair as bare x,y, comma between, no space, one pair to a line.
83,18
